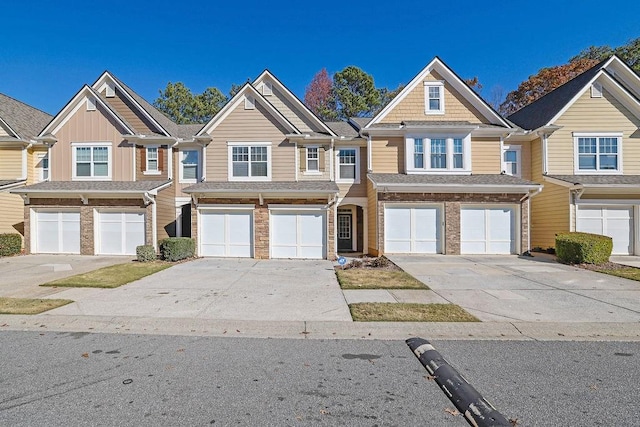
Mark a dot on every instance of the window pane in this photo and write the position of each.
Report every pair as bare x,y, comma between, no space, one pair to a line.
100,154
510,156
83,154
608,145
587,162
457,161
609,162
312,165
259,169
418,146
586,145
434,104
152,153
312,153
258,154
514,169
240,154
190,172
152,165
190,157
347,157
348,171
100,169
83,169
240,169
434,92
457,146
418,160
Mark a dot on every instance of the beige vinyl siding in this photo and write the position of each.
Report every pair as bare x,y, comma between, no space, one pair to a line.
141,164
324,165
12,213
129,113
536,160
3,131
549,215
456,107
166,213
372,219
485,156
33,170
11,163
248,126
356,190
588,114
91,127
387,155
291,112
525,157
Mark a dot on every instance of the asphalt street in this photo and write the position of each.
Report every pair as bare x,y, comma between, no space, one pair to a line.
60,378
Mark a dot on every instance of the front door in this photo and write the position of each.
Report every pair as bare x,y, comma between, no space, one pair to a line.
345,235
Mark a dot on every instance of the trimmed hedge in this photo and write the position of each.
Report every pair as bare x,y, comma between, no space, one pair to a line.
10,244
577,248
146,253
177,248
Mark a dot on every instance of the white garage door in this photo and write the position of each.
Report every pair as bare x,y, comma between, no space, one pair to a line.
226,233
486,230
613,221
57,232
298,234
413,229
119,233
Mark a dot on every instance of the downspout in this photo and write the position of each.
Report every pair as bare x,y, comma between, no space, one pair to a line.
296,160
545,155
134,161
204,163
502,168
369,155
170,160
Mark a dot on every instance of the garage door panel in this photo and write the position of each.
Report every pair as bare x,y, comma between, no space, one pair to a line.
613,221
298,235
239,229
57,232
396,224
500,230
487,230
311,230
120,233
426,228
414,229
226,234
472,225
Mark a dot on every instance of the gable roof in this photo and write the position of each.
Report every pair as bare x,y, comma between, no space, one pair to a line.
452,78
246,90
266,74
546,110
22,120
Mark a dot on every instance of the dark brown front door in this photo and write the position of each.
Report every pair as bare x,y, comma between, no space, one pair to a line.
345,234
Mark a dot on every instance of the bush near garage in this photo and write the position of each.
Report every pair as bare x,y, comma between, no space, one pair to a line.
10,244
146,253
177,248
583,248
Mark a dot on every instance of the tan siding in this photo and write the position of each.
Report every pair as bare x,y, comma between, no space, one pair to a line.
141,164
129,113
536,161
323,159
3,131
251,126
485,156
11,163
456,107
588,114
91,126
549,215
372,219
33,170
12,213
525,157
356,190
387,155
291,112
166,213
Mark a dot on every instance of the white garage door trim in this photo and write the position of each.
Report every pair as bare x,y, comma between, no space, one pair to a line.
307,227
401,234
482,229
620,227
119,231
231,237
60,228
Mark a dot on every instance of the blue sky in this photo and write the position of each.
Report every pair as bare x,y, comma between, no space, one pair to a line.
50,49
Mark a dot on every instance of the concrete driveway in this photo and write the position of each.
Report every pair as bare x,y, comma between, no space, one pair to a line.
221,289
538,289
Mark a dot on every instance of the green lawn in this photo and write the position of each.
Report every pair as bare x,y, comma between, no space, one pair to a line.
401,312
30,306
112,276
363,278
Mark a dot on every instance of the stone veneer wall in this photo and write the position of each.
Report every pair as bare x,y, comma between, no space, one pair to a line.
261,221
87,243
452,203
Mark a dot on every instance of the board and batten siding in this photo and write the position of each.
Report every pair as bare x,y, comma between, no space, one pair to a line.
291,112
588,114
91,127
129,113
11,163
456,107
485,156
255,125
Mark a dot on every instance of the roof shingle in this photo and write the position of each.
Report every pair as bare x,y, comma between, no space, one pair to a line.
24,119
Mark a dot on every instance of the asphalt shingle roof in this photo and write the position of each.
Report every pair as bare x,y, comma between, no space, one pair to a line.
24,119
267,187
444,180
343,128
7,182
360,121
603,180
92,186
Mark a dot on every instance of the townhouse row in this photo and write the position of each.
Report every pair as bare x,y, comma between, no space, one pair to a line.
436,171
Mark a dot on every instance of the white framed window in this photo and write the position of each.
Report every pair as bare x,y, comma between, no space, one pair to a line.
189,166
348,165
43,166
434,97
597,153
152,156
249,161
438,154
511,160
313,159
91,161
249,103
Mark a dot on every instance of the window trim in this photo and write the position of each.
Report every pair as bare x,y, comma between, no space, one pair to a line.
426,144
74,169
518,151
597,170
198,166
307,170
230,146
427,86
41,157
148,171
338,178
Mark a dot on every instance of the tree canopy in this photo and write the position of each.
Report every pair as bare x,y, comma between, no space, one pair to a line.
178,103
319,97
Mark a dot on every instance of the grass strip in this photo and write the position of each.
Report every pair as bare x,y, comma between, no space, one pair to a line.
30,306
363,278
401,312
112,276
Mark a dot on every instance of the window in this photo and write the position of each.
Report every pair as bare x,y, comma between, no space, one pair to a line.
43,166
348,169
438,154
434,97
189,165
91,162
598,153
152,160
250,162
511,160
313,159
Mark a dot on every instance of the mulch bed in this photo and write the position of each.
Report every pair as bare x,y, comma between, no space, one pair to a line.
370,263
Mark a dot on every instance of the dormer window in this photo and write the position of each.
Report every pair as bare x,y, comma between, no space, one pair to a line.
434,97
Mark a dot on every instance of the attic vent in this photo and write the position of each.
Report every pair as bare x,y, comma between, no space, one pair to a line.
91,103
596,90
267,89
110,91
249,103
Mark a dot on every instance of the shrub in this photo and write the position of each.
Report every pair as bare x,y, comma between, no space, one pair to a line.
177,248
10,244
146,253
576,248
